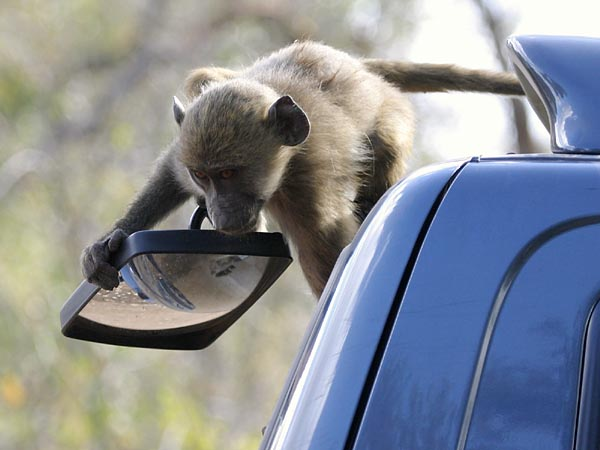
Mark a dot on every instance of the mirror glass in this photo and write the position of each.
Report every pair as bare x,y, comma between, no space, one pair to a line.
161,291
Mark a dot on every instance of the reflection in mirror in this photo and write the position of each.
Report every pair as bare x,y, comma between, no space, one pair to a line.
163,291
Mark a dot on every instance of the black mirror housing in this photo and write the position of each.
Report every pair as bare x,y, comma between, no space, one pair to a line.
180,289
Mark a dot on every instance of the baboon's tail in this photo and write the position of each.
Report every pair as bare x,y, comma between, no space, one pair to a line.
414,77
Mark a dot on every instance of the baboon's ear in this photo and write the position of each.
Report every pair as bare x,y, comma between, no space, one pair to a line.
178,110
289,121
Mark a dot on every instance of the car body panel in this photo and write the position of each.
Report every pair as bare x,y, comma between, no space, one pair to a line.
466,310
318,404
442,295
588,432
529,389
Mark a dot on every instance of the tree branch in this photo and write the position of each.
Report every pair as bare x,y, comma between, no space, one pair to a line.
495,24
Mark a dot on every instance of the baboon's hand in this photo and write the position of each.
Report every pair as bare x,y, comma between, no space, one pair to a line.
94,260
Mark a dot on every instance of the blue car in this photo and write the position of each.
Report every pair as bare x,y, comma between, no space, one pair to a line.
464,315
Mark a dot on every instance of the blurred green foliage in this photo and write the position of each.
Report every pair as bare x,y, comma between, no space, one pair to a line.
85,98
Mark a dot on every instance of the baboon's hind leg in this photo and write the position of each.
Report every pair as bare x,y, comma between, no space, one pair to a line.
391,142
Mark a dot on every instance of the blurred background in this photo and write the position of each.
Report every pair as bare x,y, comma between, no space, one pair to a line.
85,108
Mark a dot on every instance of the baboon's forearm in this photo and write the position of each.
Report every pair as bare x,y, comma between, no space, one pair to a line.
161,195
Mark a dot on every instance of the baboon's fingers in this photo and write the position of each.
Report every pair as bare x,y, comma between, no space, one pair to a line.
115,240
94,261
106,276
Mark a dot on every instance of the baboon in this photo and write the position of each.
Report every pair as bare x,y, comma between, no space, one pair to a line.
309,134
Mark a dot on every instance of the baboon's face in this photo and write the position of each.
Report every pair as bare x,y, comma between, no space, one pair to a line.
236,146
233,198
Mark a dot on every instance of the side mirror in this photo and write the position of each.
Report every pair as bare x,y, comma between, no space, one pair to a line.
559,74
180,289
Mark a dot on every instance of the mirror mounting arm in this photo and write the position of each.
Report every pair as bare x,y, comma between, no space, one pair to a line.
198,216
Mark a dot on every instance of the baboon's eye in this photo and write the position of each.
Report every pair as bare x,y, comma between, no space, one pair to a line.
226,174
199,174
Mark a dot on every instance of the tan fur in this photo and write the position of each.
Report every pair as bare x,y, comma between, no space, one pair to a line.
314,137
361,131
198,78
413,77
